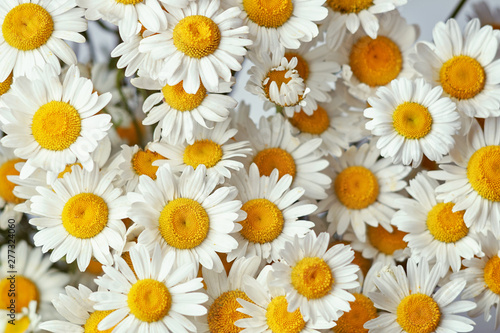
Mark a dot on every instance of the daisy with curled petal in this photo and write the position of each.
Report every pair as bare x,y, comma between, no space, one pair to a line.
153,295
316,279
55,123
412,305
272,214
202,43
464,65
412,120
8,199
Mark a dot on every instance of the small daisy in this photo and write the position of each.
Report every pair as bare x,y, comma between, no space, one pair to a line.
487,15
412,119
8,200
413,306
33,32
153,295
272,214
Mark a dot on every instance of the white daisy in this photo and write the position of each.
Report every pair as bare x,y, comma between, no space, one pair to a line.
487,15
8,199
412,119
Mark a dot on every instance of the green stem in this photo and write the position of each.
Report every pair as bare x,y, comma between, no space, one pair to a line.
119,80
457,9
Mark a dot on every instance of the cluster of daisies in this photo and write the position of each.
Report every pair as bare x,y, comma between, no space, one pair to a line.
146,199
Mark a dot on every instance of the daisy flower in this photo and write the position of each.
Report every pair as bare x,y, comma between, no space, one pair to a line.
363,190
487,15
464,66
362,310
26,322
411,304
33,32
186,215
412,119
8,200
202,43
80,217
272,214
153,295
55,123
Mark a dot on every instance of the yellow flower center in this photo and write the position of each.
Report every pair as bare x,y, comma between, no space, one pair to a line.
302,65
85,215
67,169
418,313
412,120
95,267
204,152
20,325
312,277
356,187
142,162
5,85
280,320
483,172
349,6
179,99
94,319
223,313
316,123
56,125
264,222
268,13
445,225
25,291
184,223
375,62
492,274
362,310
6,186
462,77
385,241
275,158
149,300
277,76
197,36
129,2
27,26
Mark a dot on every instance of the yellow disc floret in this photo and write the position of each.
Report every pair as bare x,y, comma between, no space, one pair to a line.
27,26
129,2
445,225
375,62
223,313
462,77
197,36
94,319
264,222
278,76
302,65
5,85
184,223
179,99
356,187
85,215
349,6
315,124
312,277
280,320
275,158
204,152
483,172
362,310
412,120
20,289
385,241
149,300
492,274
142,162
268,13
56,125
418,313
6,186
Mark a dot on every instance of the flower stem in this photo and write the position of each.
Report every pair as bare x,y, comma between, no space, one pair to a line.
457,9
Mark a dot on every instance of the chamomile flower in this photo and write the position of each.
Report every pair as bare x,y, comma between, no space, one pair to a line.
464,65
8,200
153,295
202,43
272,214
413,306
33,32
362,310
412,119
487,15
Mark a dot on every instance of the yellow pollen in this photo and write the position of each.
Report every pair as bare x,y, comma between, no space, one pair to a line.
26,291
223,313
316,123
204,152
129,2
197,36
94,319
67,169
20,325
362,310
418,313
268,13
492,274
142,163
179,99
184,223
280,320
483,172
302,65
462,77
375,62
312,277
275,158
445,225
356,187
349,6
385,241
412,120
264,222
85,215
27,26
6,186
56,125
5,85
149,300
